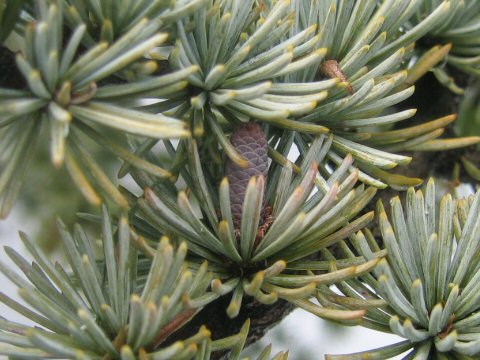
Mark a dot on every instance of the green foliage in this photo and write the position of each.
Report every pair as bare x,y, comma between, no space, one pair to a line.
162,85
109,19
9,11
250,263
364,39
269,76
106,308
63,92
469,119
234,63
429,278
461,29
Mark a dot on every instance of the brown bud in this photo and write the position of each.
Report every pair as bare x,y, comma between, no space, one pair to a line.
331,69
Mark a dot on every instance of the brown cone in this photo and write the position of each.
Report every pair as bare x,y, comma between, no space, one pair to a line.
250,142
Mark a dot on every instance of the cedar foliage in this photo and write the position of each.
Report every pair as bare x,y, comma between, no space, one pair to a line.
259,137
